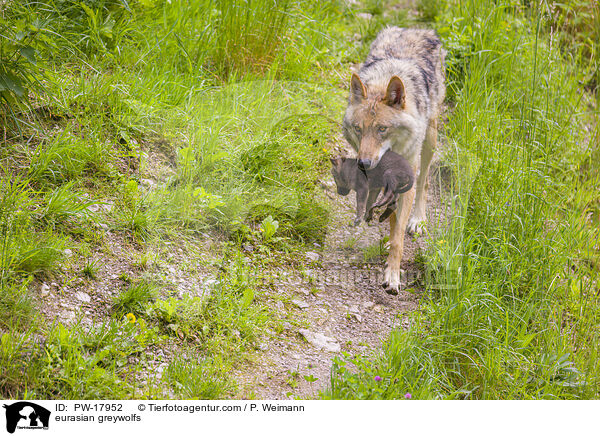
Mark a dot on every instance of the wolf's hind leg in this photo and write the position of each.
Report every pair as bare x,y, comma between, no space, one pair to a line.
419,212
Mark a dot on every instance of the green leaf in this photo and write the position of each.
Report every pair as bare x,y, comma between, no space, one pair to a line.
28,53
126,5
247,298
269,227
90,13
10,82
527,339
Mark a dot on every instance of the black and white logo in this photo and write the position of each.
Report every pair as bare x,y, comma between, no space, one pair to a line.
26,415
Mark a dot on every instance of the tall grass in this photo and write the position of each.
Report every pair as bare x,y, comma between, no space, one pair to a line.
511,311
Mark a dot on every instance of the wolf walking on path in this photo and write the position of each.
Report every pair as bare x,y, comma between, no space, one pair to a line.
395,101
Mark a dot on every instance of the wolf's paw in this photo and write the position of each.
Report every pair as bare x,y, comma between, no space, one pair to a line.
415,225
391,280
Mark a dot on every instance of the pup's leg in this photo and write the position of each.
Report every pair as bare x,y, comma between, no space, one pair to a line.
419,214
398,222
361,205
373,194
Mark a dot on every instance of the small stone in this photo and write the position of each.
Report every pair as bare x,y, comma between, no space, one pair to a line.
378,308
68,252
262,346
364,15
301,304
356,316
368,304
354,309
103,226
67,315
94,207
82,296
320,341
286,326
311,255
45,290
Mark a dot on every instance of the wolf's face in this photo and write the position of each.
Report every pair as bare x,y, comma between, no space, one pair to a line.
374,124
341,175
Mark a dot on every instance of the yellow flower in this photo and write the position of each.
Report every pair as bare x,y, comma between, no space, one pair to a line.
130,317
441,242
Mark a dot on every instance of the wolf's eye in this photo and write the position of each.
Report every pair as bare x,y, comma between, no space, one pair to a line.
357,128
382,129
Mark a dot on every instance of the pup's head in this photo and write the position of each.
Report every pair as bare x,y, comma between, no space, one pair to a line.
341,175
374,122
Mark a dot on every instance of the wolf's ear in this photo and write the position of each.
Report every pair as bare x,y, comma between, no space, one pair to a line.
395,94
358,92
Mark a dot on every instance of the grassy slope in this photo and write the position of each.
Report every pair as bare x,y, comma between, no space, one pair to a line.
512,311
164,124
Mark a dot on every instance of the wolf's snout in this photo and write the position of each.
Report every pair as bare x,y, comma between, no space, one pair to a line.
364,164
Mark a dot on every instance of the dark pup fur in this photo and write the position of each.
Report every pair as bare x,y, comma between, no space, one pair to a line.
393,173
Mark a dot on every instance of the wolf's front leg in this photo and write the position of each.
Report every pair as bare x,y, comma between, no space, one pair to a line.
418,216
398,221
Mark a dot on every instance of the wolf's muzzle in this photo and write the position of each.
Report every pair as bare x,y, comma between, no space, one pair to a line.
364,164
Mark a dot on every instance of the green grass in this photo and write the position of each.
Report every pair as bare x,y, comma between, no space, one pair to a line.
149,123
198,380
164,124
511,311
133,299
375,252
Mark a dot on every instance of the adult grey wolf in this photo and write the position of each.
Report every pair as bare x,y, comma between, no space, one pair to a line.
395,100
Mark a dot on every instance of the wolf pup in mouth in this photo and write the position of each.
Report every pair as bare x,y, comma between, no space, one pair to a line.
394,104
393,174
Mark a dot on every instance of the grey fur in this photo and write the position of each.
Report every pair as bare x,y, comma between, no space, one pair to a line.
416,57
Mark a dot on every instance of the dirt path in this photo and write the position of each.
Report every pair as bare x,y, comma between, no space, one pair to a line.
345,308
